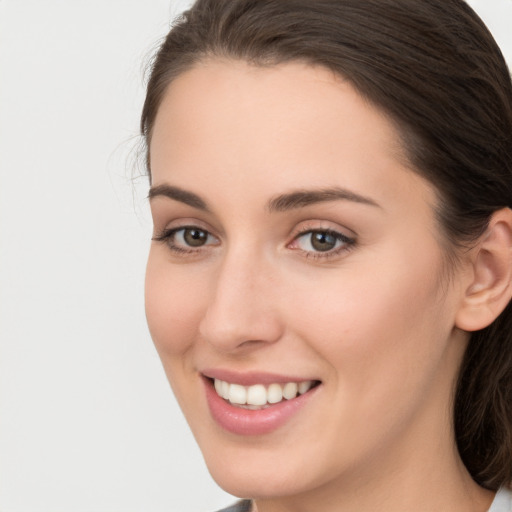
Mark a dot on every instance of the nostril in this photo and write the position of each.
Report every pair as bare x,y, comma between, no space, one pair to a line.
251,343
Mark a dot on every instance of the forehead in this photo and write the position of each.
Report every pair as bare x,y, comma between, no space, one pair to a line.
236,123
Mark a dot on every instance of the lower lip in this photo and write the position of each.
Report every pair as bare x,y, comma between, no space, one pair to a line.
247,422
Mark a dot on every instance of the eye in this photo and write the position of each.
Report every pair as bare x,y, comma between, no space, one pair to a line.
192,237
186,239
322,242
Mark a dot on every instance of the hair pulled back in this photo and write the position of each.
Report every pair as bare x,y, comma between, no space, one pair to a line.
435,69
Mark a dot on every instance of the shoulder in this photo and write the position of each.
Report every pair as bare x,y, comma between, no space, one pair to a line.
502,502
239,506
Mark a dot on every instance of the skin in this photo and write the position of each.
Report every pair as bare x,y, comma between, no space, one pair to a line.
375,322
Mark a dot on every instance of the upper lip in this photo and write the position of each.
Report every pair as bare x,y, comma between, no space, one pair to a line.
251,377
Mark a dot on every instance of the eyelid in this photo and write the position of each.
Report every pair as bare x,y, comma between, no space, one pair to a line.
167,235
166,220
322,225
348,241
169,231
165,224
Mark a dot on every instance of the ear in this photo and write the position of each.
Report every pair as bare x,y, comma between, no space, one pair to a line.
490,289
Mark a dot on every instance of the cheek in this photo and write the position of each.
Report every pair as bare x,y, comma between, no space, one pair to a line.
377,321
173,306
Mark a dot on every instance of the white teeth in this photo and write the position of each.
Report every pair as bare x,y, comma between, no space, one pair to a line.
257,396
224,390
304,386
290,390
274,393
237,394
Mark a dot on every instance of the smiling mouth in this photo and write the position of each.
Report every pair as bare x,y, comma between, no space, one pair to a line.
259,396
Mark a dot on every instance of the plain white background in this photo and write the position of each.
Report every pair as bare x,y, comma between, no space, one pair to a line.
87,421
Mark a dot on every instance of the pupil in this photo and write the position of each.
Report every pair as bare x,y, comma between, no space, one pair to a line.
322,241
195,237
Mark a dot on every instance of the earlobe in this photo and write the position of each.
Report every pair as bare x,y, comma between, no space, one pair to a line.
490,289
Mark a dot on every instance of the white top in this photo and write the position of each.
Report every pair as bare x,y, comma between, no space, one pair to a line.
502,502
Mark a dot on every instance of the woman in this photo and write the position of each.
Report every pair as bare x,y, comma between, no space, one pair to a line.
329,281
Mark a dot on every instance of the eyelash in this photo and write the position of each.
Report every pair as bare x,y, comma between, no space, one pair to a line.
167,236
348,243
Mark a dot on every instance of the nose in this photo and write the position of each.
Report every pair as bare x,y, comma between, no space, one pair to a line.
242,312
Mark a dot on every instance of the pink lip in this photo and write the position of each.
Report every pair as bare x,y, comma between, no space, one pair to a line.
251,378
253,422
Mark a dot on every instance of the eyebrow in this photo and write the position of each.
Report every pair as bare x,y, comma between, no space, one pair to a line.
178,194
302,198
280,203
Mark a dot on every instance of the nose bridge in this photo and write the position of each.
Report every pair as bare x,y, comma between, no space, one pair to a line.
241,307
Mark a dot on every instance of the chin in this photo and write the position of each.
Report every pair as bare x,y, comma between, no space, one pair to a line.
244,484
250,474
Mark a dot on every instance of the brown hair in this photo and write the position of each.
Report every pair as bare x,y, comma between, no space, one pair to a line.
435,69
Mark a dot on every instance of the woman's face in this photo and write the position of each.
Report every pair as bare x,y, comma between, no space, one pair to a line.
294,251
